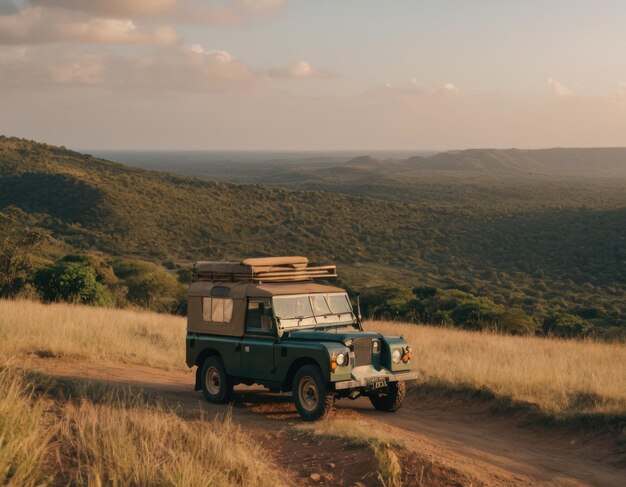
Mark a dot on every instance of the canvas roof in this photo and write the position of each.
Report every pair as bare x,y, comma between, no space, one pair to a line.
242,289
277,289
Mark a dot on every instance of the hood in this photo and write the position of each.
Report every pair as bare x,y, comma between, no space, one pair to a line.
330,336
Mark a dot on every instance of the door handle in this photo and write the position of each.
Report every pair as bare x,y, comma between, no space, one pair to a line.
237,346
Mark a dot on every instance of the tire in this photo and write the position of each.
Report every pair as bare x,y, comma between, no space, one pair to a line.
216,388
310,394
392,400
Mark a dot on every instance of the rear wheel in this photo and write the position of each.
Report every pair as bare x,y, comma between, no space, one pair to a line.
310,394
216,387
392,400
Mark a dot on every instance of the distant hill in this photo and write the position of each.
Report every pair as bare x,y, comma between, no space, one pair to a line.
541,245
93,203
556,161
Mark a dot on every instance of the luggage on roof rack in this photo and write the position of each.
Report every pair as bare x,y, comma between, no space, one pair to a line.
263,269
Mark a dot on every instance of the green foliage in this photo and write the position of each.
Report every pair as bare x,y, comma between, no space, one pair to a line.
388,301
566,326
523,244
71,280
18,245
448,307
150,286
464,310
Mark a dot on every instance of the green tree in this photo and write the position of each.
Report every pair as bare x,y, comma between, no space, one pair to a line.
516,322
150,286
17,248
71,281
566,325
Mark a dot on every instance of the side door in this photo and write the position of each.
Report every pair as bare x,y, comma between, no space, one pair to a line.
257,347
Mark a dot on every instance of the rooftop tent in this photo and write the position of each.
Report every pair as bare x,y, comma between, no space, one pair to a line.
263,269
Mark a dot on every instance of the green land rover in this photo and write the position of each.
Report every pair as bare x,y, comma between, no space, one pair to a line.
266,321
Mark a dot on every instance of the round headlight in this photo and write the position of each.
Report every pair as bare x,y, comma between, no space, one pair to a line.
341,359
396,355
376,346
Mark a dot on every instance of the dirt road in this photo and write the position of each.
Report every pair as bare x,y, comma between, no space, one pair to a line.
487,449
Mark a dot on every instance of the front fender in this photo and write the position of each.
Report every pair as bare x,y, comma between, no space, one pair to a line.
389,344
290,353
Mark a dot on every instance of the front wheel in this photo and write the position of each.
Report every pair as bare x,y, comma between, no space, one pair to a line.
310,394
216,387
392,400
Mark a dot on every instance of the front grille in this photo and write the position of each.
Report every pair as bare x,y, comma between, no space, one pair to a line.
362,351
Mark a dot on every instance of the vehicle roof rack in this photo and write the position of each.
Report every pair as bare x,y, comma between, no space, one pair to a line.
262,269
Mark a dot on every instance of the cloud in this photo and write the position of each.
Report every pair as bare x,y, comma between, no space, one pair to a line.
299,69
621,89
411,89
186,68
558,89
450,88
112,8
9,7
190,68
227,12
26,67
37,25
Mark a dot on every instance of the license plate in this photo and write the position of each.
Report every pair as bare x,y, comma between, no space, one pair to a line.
378,383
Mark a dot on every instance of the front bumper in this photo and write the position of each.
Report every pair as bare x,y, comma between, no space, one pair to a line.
372,379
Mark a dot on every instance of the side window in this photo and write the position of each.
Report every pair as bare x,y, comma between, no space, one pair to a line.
258,314
217,310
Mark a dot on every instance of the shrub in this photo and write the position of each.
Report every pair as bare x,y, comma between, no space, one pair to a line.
516,322
150,286
73,281
565,325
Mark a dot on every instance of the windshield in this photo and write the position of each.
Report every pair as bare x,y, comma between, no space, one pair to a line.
313,309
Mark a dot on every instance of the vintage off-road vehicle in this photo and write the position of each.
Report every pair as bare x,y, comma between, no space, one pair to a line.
265,321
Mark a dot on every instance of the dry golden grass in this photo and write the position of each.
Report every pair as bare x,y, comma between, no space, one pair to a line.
121,439
559,376
105,438
103,334
24,438
113,444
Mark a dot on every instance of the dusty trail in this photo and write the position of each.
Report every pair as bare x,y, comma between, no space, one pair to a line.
489,450
495,450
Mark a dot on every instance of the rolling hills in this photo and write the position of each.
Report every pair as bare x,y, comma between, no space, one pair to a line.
556,161
493,179
539,244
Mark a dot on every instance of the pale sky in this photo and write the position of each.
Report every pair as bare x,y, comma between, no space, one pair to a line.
315,74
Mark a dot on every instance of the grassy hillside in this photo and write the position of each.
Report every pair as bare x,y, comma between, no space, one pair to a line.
543,245
91,203
558,377
66,420
99,437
